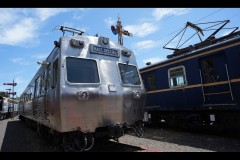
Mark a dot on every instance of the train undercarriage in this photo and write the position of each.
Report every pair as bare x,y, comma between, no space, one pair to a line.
77,141
221,120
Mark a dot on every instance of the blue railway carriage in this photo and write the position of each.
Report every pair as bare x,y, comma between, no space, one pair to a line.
87,88
198,86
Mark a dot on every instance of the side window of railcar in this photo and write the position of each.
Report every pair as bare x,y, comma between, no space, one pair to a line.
82,70
32,91
25,98
40,91
28,95
43,84
55,73
129,74
177,76
37,87
46,80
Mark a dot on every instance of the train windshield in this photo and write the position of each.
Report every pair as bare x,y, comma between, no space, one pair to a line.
81,70
129,74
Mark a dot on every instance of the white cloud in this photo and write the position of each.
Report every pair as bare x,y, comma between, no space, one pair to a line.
153,60
141,30
146,44
20,61
7,16
19,33
160,13
148,25
77,15
109,21
19,27
45,13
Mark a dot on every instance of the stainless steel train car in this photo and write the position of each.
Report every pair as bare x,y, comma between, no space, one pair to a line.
88,87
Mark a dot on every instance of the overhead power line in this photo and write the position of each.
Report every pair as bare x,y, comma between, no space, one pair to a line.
164,19
204,17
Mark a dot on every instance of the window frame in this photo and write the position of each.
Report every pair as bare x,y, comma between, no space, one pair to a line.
71,83
120,77
185,76
36,87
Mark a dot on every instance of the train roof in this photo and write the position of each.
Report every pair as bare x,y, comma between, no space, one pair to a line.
199,48
209,43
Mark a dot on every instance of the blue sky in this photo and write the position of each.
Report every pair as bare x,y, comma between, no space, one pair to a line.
27,34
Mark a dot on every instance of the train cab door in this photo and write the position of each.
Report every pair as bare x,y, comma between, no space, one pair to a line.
216,85
36,96
52,93
1,103
1,107
46,90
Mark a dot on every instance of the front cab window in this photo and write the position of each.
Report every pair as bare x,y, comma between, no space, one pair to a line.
81,70
129,74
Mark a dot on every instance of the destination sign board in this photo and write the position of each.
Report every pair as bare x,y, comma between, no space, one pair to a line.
104,51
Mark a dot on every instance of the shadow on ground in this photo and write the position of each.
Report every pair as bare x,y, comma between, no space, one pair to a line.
19,138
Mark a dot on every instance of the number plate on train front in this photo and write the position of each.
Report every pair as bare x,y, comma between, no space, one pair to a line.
104,51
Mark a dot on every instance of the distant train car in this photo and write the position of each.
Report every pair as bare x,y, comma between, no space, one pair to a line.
197,86
8,107
3,107
87,88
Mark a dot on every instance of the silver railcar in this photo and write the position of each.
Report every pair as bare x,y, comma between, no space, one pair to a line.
88,87
8,107
4,105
